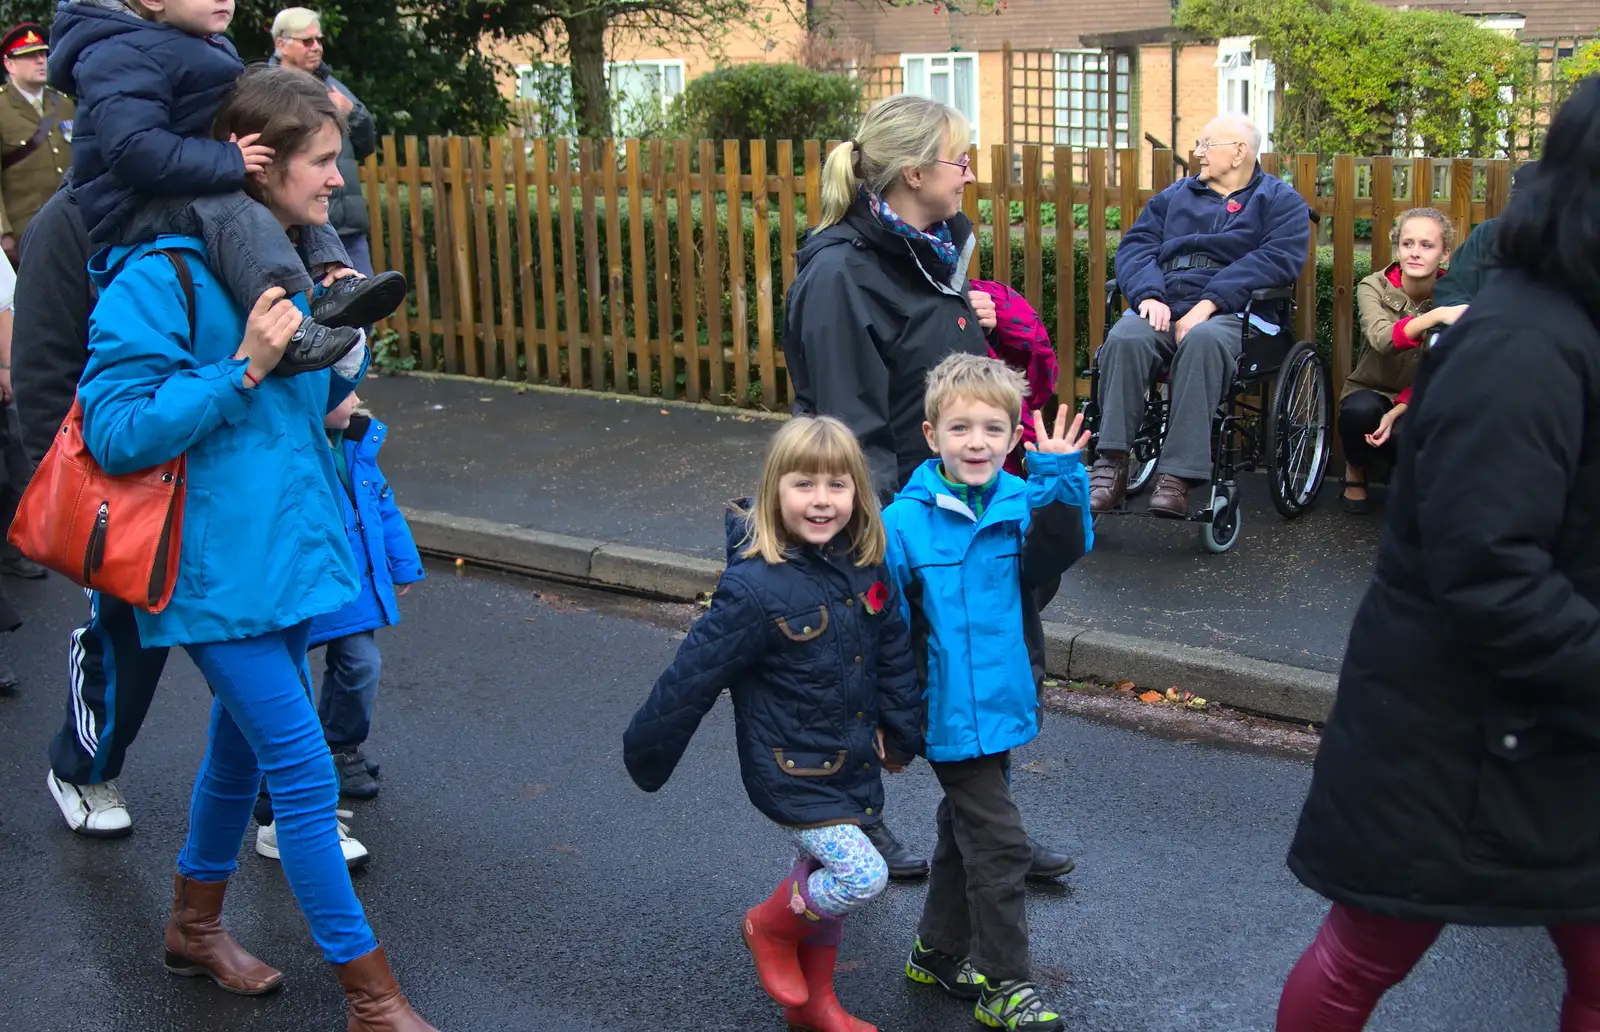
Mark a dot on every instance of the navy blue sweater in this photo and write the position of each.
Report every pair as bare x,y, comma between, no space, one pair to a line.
814,653
1259,236
147,95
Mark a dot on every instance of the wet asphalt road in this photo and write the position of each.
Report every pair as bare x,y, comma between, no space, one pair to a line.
521,882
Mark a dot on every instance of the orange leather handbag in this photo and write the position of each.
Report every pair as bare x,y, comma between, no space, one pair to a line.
118,535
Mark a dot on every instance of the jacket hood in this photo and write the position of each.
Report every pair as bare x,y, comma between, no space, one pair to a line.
108,261
861,229
736,525
85,23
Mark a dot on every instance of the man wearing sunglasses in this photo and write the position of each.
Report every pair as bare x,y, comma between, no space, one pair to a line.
1186,269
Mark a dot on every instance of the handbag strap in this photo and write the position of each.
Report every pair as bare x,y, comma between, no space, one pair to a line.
180,265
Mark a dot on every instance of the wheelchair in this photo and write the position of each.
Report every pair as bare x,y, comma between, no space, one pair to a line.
1276,416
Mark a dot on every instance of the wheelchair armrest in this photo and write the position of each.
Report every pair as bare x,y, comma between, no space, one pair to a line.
1112,290
1272,294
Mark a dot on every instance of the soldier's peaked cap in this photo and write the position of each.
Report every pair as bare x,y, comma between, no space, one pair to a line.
27,38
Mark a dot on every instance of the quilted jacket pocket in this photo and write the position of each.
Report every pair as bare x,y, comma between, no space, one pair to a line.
810,764
805,626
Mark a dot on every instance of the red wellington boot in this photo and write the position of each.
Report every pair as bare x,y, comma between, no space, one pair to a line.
773,932
822,1012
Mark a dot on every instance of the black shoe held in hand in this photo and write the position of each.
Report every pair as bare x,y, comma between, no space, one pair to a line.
315,346
353,301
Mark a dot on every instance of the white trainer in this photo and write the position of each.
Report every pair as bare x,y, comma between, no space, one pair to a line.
98,811
355,854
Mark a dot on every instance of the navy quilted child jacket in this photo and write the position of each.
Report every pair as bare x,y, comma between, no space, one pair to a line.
814,653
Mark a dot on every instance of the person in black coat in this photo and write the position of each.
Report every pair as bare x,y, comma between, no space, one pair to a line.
1456,779
806,633
881,296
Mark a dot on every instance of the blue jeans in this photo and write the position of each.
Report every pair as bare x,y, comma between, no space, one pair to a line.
262,722
348,689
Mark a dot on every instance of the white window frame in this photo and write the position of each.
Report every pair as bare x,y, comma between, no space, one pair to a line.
524,72
949,59
1243,75
1107,70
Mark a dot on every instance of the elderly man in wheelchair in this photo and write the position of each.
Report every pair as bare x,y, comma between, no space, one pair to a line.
1188,270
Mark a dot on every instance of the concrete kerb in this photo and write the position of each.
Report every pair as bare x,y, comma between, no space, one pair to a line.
1075,653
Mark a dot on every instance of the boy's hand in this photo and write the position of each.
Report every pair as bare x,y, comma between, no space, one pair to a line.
1065,440
256,156
883,757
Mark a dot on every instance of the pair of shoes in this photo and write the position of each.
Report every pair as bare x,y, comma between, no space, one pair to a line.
355,775
1108,483
822,1011
1354,506
198,945
955,975
97,811
904,865
1048,864
22,566
355,854
1016,1006
338,313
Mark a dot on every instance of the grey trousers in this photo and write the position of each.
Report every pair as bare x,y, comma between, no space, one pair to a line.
975,906
1202,369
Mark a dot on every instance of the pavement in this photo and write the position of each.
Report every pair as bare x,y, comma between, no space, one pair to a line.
1271,616
521,883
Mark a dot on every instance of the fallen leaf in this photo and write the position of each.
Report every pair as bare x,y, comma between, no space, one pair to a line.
666,412
1052,684
534,791
485,399
569,850
1150,697
460,561
1172,695
1126,686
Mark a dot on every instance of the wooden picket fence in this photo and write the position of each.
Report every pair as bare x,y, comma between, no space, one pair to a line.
502,288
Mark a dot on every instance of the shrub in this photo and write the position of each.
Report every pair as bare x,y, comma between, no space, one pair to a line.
769,102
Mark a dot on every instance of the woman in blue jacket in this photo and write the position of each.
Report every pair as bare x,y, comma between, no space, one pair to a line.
175,367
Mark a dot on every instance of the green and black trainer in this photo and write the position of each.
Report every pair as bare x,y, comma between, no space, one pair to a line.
954,975
1016,1006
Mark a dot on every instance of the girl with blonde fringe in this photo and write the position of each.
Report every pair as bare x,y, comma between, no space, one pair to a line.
806,634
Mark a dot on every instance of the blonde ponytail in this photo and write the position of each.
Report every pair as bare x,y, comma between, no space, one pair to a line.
897,134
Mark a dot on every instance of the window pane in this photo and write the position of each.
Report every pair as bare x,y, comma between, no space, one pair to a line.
962,95
672,81
939,87
917,76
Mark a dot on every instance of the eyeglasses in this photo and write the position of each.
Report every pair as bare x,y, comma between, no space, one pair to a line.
1201,146
310,41
964,164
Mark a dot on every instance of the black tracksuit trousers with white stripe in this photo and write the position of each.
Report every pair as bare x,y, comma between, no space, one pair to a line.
112,678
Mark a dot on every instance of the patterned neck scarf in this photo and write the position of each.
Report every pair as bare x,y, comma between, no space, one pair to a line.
938,236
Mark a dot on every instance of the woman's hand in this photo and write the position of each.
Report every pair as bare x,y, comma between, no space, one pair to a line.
272,322
339,272
1379,437
983,306
1064,441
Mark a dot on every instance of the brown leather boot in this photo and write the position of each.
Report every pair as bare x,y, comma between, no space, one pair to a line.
1108,482
376,1002
1171,497
198,945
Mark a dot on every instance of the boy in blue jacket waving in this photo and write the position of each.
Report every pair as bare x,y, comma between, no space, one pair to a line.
969,547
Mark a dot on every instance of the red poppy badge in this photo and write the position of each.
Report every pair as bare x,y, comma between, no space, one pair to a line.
1234,207
876,597
962,322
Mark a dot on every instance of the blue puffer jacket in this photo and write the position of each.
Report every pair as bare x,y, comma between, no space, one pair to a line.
386,555
147,95
969,582
1259,235
813,671
263,539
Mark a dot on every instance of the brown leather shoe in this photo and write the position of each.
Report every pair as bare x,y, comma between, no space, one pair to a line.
198,945
1171,496
376,1002
1108,482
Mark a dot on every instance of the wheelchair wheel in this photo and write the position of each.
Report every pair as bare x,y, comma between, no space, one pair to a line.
1222,533
1299,430
1147,447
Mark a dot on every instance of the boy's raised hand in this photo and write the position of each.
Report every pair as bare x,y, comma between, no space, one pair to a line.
256,156
1065,441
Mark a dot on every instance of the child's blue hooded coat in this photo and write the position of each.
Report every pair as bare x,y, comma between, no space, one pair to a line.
385,553
968,581
263,544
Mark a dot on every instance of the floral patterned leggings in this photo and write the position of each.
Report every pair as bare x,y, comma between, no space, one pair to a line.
852,873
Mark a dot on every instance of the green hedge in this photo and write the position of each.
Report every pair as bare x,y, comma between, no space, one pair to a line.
535,354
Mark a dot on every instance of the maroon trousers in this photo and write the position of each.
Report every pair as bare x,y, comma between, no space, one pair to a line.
1358,956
